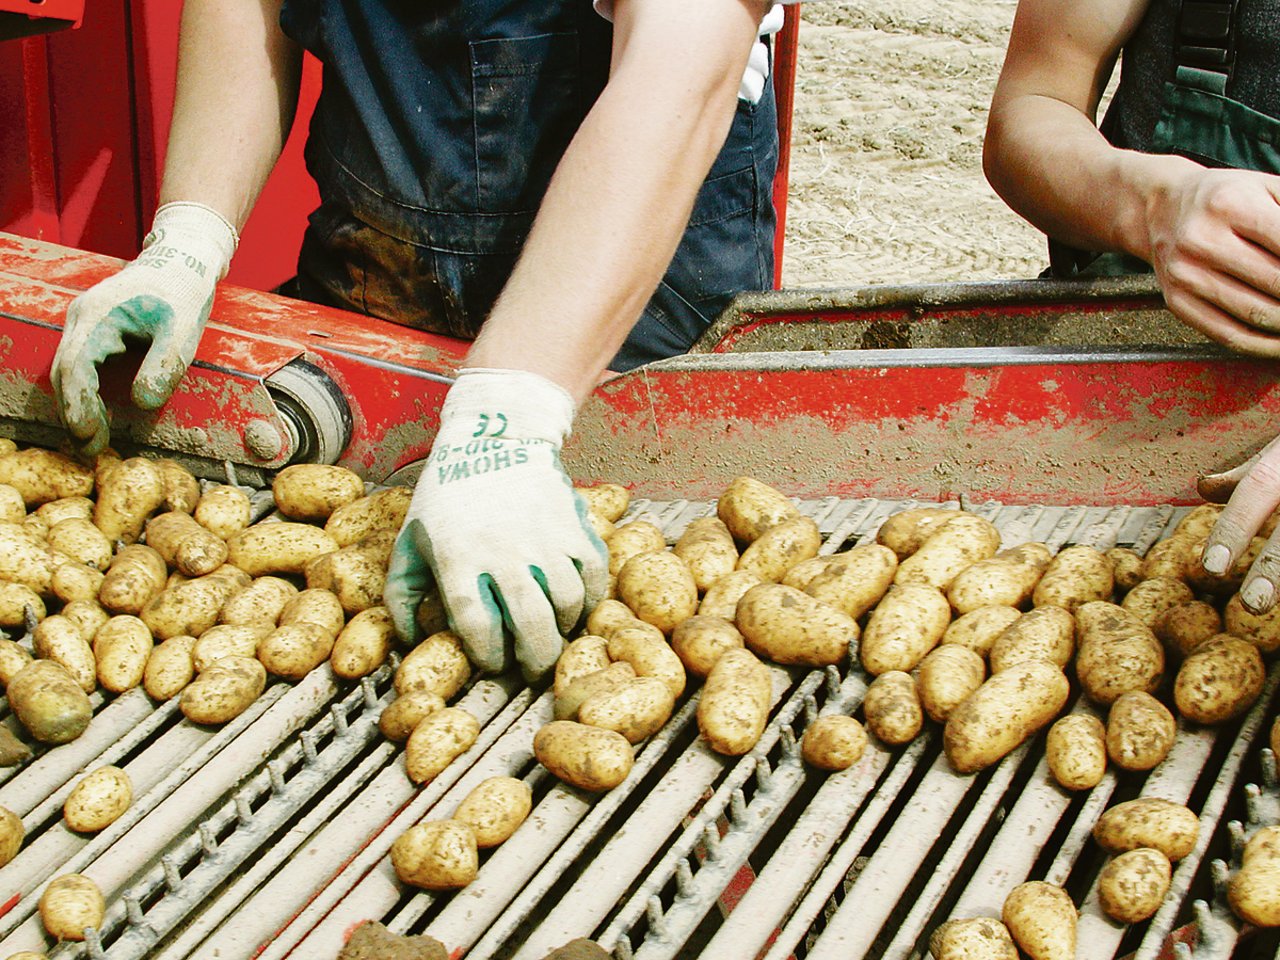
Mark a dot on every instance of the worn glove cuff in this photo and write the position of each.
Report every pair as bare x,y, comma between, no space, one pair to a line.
504,404
197,229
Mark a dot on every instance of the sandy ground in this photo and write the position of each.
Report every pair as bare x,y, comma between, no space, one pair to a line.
886,160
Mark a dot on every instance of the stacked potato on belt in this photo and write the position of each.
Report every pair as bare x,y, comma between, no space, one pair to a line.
953,630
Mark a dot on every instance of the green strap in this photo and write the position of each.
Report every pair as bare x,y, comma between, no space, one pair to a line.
1210,81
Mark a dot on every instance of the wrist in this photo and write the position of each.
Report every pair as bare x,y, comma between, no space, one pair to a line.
1156,184
507,404
197,235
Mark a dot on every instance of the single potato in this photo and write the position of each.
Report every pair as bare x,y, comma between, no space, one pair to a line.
833,742
854,581
1007,709
749,508
659,589
1006,579
1140,731
1132,887
734,708
707,547
780,548
957,544
892,708
98,800
908,623
313,491
586,757
1154,822
700,640
438,740
1076,575
978,629
1219,680
788,626
401,715
49,702
1042,918
1076,750
495,809
437,855
224,691
71,903
947,676
979,938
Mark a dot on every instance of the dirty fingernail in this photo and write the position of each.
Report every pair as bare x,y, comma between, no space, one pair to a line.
1216,558
1257,595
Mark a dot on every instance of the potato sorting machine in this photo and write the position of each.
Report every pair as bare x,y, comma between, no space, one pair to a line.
1065,413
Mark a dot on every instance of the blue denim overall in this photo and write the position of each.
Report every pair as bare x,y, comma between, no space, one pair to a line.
1196,118
439,125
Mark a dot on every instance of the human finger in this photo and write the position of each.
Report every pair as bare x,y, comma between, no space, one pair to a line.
1256,495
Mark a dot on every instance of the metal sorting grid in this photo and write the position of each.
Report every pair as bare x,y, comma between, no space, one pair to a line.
269,836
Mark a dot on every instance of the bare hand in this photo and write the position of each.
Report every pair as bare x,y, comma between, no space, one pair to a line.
1252,492
1215,246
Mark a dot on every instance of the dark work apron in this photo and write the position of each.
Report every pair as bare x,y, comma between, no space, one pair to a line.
1197,120
439,125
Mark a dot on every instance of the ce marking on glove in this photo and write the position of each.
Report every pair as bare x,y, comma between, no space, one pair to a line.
482,429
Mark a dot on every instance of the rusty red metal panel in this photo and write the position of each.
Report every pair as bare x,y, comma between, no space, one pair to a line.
28,191
784,85
66,10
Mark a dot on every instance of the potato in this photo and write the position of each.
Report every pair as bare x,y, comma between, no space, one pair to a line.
70,903
136,575
804,572
734,708
262,601
12,833
314,606
788,626
121,648
1006,579
401,715
1148,822
42,475
75,581
80,540
1132,887
364,644
13,657
55,510
892,708
601,527
1126,567
1041,918
957,544
224,691
649,656
707,547
586,757
129,492
1152,597
855,581
609,615
978,629
1045,633
582,657
721,598
438,665
227,640
1175,557
946,677
1224,585
381,511
356,575
188,608
609,500
1007,709
780,548
904,626
185,544
749,508
579,690
1076,749
658,588
437,741
1219,680
906,530
1260,629
700,640
1254,890
278,547
181,488
431,616
979,938
49,702
635,708
57,638
833,742
1198,521
224,511
1117,653
98,800
1140,731
1076,575
169,668
14,600
13,509
495,809
437,855
1184,627
25,560
312,491
295,649
638,536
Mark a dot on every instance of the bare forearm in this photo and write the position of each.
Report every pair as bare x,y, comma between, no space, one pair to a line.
1053,167
614,214
236,95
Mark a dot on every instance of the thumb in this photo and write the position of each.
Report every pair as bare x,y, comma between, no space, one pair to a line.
173,345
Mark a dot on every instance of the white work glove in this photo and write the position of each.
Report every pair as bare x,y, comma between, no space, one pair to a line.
497,522
164,296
